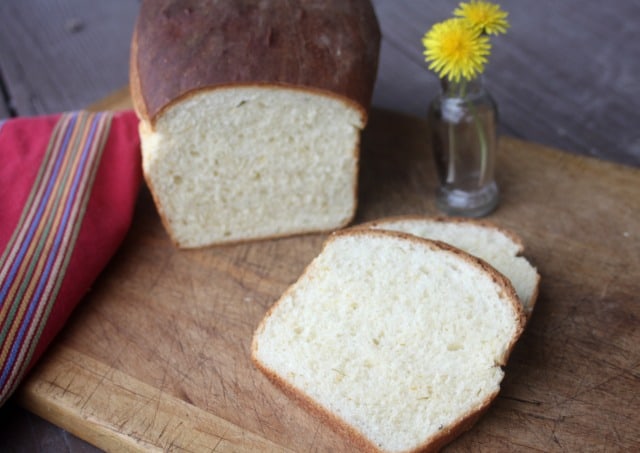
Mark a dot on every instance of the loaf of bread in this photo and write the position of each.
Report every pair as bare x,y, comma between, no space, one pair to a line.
394,340
497,246
251,113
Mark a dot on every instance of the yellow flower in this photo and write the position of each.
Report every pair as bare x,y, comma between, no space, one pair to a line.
485,17
455,51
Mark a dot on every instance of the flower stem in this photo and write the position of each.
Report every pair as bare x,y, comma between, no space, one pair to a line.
451,171
482,138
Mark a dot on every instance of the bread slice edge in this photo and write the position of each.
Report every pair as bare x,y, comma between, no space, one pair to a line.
342,427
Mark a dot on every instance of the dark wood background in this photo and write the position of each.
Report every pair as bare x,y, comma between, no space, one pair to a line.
566,75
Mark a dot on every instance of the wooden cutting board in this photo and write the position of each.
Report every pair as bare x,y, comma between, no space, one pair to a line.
157,355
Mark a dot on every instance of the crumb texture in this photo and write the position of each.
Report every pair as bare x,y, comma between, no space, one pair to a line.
398,339
486,242
240,163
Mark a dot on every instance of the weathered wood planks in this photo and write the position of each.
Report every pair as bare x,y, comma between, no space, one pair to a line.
58,55
565,75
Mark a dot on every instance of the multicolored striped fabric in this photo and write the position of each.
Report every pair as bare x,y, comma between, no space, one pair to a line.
35,260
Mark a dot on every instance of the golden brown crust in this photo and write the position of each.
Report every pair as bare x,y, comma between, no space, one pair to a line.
503,282
379,223
447,434
181,46
306,402
441,219
460,426
363,444
134,79
434,444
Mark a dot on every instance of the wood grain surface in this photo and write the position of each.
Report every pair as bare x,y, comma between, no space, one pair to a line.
158,355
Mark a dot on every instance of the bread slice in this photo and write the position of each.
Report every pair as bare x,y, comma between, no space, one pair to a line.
396,341
251,113
283,162
497,246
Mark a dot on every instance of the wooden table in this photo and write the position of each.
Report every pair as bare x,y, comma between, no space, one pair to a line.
565,76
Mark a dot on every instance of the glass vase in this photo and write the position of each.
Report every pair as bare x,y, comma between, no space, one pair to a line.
463,137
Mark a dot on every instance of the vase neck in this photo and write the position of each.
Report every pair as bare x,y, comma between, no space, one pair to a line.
462,88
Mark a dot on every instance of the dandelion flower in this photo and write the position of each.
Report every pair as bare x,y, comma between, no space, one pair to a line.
485,17
455,51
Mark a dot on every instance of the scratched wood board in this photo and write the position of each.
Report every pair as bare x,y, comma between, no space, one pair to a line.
157,355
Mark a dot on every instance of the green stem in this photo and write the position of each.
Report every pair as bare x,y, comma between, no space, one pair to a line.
451,172
459,89
463,90
483,143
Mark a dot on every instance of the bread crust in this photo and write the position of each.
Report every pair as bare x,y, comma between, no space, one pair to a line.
435,443
498,278
134,79
447,434
441,219
462,221
181,47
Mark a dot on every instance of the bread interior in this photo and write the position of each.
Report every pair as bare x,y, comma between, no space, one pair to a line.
400,341
486,242
238,163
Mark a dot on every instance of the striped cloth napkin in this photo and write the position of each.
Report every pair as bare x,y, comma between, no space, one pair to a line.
68,185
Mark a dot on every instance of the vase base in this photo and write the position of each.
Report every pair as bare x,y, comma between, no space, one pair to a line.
464,203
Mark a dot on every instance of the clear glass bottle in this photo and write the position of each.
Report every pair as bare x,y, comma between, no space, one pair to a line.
463,137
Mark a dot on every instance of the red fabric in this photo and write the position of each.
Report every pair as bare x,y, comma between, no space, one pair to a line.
23,142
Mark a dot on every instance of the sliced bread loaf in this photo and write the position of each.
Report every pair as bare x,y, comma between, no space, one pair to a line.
397,341
497,246
251,113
